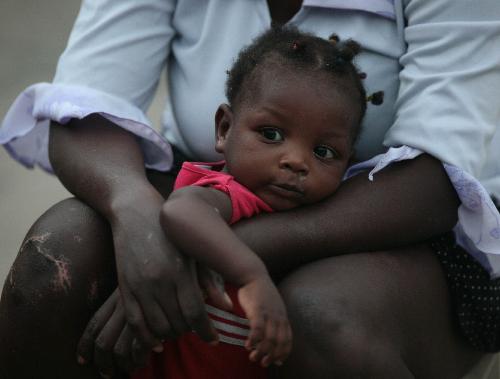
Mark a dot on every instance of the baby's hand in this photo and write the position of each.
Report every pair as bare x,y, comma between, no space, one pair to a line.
270,339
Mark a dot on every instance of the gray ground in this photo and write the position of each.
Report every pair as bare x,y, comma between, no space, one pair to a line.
32,35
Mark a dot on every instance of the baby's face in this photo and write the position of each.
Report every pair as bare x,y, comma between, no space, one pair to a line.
290,144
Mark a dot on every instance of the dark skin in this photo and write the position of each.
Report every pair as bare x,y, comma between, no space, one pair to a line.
206,212
383,221
273,237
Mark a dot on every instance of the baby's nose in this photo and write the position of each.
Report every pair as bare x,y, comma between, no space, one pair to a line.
296,164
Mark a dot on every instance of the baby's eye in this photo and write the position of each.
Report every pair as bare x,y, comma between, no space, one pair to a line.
325,152
272,134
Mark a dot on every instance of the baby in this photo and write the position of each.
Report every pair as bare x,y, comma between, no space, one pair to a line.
296,103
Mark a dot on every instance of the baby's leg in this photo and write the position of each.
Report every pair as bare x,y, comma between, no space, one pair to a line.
374,315
63,272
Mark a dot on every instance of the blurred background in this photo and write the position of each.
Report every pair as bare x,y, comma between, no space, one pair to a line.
32,35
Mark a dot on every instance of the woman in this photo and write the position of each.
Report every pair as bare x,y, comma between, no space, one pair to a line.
382,312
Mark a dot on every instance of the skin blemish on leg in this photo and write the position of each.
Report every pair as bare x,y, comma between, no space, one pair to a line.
40,239
62,279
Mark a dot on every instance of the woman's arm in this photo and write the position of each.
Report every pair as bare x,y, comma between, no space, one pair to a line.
407,202
103,165
100,163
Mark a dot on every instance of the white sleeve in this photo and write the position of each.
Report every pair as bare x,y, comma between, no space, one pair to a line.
119,47
111,66
450,81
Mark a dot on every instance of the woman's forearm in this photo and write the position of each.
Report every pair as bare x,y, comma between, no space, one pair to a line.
98,162
406,203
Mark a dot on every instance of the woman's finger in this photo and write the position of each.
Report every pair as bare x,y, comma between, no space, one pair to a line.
192,306
170,306
85,348
106,340
140,353
158,323
123,351
135,318
170,296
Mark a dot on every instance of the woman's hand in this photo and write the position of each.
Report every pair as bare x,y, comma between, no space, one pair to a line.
108,341
160,293
270,339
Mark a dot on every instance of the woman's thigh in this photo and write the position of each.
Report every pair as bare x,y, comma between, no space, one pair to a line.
374,315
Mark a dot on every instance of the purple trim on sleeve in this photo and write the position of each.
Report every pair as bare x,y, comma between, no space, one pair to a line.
25,128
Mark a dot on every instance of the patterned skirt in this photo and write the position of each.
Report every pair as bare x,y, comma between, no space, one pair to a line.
475,297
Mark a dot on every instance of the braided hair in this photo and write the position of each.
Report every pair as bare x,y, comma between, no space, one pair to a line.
304,52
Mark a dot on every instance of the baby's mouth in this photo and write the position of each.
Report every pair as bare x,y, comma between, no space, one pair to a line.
287,190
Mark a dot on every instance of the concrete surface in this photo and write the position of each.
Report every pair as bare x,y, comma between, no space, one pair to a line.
32,35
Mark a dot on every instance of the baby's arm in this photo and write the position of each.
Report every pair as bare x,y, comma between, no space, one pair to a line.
196,221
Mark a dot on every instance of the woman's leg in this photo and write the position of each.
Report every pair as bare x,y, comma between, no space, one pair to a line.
63,272
374,315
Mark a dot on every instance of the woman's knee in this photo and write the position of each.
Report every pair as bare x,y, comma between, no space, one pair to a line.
63,272
328,344
335,334
62,255
368,315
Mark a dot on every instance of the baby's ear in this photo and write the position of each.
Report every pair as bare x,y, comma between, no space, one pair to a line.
223,122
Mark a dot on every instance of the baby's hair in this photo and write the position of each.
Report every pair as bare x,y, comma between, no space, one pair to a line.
306,52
